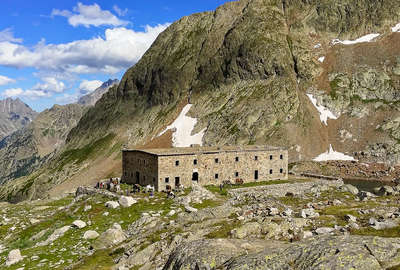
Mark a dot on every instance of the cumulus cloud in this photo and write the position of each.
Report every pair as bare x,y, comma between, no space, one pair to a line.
46,88
89,86
8,35
88,15
118,50
50,84
5,80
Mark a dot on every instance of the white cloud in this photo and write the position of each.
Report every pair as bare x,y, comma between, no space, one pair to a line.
67,98
89,86
13,92
119,11
118,50
47,88
8,35
88,15
5,80
50,84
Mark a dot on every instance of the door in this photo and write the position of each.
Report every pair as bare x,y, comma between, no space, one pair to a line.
137,178
195,177
177,182
256,175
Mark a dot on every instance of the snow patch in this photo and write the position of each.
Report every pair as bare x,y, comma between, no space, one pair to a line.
324,113
396,28
332,155
366,38
183,125
321,59
317,46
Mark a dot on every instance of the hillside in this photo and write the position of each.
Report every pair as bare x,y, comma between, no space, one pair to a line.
35,144
252,70
14,114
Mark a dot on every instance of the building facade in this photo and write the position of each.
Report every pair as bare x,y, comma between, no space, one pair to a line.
205,165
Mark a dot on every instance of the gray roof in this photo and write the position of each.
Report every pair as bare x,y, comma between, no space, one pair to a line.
205,149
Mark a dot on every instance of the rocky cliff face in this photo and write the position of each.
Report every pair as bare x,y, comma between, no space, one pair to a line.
91,98
14,114
247,68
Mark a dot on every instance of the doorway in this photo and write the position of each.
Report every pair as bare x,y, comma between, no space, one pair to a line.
195,177
256,175
177,182
137,178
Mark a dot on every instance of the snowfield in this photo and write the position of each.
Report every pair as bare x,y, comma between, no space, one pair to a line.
366,38
184,125
332,155
321,59
396,28
324,113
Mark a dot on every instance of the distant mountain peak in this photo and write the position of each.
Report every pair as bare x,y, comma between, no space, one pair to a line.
91,98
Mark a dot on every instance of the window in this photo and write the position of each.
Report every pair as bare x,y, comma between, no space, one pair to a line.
144,178
216,160
144,162
195,161
177,163
166,179
131,174
270,157
126,174
270,171
154,179
256,158
236,174
281,157
216,176
281,170
256,175
236,159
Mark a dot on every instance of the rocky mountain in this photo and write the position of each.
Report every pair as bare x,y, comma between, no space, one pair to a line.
14,114
33,145
306,75
91,98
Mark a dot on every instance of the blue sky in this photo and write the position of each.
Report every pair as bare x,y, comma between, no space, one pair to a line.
55,51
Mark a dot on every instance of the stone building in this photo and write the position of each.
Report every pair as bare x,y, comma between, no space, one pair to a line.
205,165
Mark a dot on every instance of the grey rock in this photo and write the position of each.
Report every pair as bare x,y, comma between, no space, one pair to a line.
111,237
324,230
79,224
309,213
126,201
90,235
112,204
14,256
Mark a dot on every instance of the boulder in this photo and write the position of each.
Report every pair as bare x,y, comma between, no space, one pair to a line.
126,201
79,224
251,228
287,213
34,221
387,224
350,188
87,208
171,213
55,235
112,204
90,235
323,252
111,237
350,218
273,211
309,213
190,209
14,257
324,230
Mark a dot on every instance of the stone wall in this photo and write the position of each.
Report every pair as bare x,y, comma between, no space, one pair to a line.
139,168
209,168
215,167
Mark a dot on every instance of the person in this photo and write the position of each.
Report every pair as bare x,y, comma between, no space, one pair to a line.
151,193
221,186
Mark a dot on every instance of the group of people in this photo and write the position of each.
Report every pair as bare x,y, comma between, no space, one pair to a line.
113,184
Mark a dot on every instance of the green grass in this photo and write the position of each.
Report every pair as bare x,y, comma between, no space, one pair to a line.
224,230
206,204
81,154
392,232
100,260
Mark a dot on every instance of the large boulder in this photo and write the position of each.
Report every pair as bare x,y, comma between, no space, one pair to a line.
111,237
126,201
79,224
112,204
350,188
308,213
14,257
248,229
55,235
324,252
89,235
